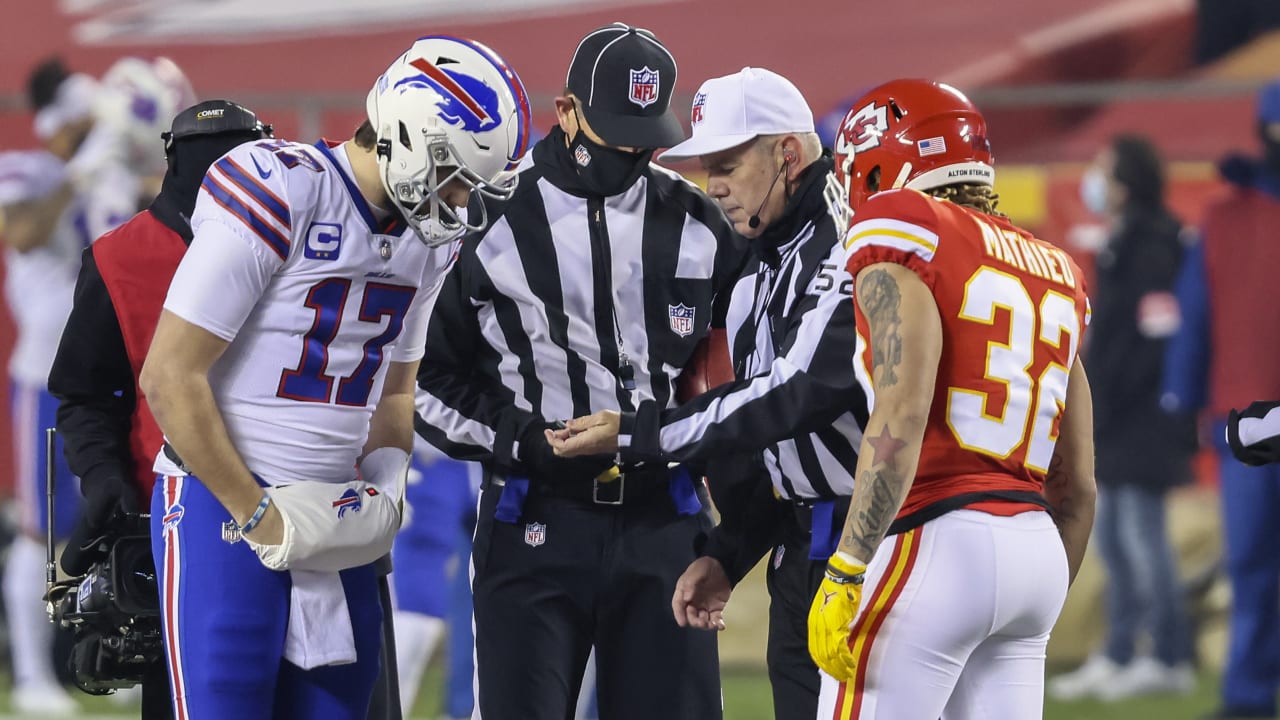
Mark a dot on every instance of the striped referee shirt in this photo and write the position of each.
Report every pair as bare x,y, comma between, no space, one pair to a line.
569,303
792,340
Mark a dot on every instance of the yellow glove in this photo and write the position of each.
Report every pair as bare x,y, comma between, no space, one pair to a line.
833,610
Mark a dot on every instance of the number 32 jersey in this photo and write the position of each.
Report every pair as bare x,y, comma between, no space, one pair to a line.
315,295
1012,310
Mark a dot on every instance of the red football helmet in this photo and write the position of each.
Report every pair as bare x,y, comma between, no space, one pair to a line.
920,134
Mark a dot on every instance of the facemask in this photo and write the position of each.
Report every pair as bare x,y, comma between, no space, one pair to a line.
1093,191
606,170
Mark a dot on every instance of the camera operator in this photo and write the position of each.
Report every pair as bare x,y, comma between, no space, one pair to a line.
108,432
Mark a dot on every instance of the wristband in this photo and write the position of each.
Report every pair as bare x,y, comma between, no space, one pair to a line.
842,571
257,515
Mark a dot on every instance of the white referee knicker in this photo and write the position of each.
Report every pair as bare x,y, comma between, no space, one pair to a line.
330,527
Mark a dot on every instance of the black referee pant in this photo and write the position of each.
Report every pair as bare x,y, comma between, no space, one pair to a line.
793,580
570,574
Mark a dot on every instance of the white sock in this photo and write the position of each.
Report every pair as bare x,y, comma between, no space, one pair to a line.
417,637
30,632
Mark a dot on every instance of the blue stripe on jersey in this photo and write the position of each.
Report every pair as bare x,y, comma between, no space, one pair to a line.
278,243
268,199
356,198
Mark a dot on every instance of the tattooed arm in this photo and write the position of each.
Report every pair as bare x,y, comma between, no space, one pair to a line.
1069,485
906,342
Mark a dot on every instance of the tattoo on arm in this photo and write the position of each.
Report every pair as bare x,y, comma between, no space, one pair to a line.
875,503
877,497
1057,491
881,300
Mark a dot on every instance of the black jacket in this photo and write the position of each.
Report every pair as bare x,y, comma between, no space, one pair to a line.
1136,442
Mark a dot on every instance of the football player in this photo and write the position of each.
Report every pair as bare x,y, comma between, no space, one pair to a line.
285,358
950,573
43,232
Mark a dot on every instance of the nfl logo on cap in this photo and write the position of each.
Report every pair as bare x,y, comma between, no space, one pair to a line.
681,318
644,87
699,102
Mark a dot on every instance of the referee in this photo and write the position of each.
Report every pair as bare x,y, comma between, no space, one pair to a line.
588,290
796,400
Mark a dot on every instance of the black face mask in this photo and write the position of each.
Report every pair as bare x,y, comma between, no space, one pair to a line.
605,170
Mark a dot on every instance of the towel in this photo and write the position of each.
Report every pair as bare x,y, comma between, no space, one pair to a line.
320,630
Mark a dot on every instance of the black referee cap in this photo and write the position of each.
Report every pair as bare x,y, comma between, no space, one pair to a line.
623,76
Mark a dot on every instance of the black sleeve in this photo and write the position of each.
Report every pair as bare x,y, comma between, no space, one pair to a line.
93,382
751,517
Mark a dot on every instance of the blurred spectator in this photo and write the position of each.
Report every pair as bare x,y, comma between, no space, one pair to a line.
1224,25
1224,357
1141,451
432,557
44,234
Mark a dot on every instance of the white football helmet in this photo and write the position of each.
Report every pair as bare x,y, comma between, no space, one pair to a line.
136,102
448,109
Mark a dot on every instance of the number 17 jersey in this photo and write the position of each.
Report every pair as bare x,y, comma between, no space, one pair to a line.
316,296
1012,310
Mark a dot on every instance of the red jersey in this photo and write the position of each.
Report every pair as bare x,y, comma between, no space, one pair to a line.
1013,309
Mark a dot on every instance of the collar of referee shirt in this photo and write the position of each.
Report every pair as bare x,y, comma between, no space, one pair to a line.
804,205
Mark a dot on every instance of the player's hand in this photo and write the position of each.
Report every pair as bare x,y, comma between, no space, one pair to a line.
701,595
595,434
270,529
833,611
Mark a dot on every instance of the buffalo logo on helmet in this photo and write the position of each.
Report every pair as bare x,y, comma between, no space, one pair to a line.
349,501
464,100
699,104
644,87
681,319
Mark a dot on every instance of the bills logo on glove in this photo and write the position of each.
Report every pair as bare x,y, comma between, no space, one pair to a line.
350,501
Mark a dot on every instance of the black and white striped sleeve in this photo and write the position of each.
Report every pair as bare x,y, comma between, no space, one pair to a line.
1254,433
807,387
460,410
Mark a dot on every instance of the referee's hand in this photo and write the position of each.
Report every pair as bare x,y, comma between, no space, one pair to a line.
701,595
595,434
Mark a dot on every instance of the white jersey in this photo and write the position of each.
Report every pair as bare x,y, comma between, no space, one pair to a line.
111,187
40,283
316,296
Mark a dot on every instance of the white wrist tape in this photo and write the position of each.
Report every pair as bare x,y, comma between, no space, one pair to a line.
387,469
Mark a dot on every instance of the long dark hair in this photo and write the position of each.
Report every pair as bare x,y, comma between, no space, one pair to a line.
1139,169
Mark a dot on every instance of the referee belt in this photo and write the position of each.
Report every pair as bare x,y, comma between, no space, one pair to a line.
612,488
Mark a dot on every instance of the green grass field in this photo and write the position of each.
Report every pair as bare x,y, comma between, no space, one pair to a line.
747,697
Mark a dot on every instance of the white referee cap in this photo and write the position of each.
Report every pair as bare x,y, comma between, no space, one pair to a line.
731,110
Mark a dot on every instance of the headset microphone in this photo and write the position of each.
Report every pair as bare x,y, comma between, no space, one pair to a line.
753,222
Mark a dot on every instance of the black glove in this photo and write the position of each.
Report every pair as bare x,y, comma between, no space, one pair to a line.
538,459
105,497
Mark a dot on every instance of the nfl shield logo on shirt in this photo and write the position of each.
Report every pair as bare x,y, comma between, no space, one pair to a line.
535,534
644,87
681,317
